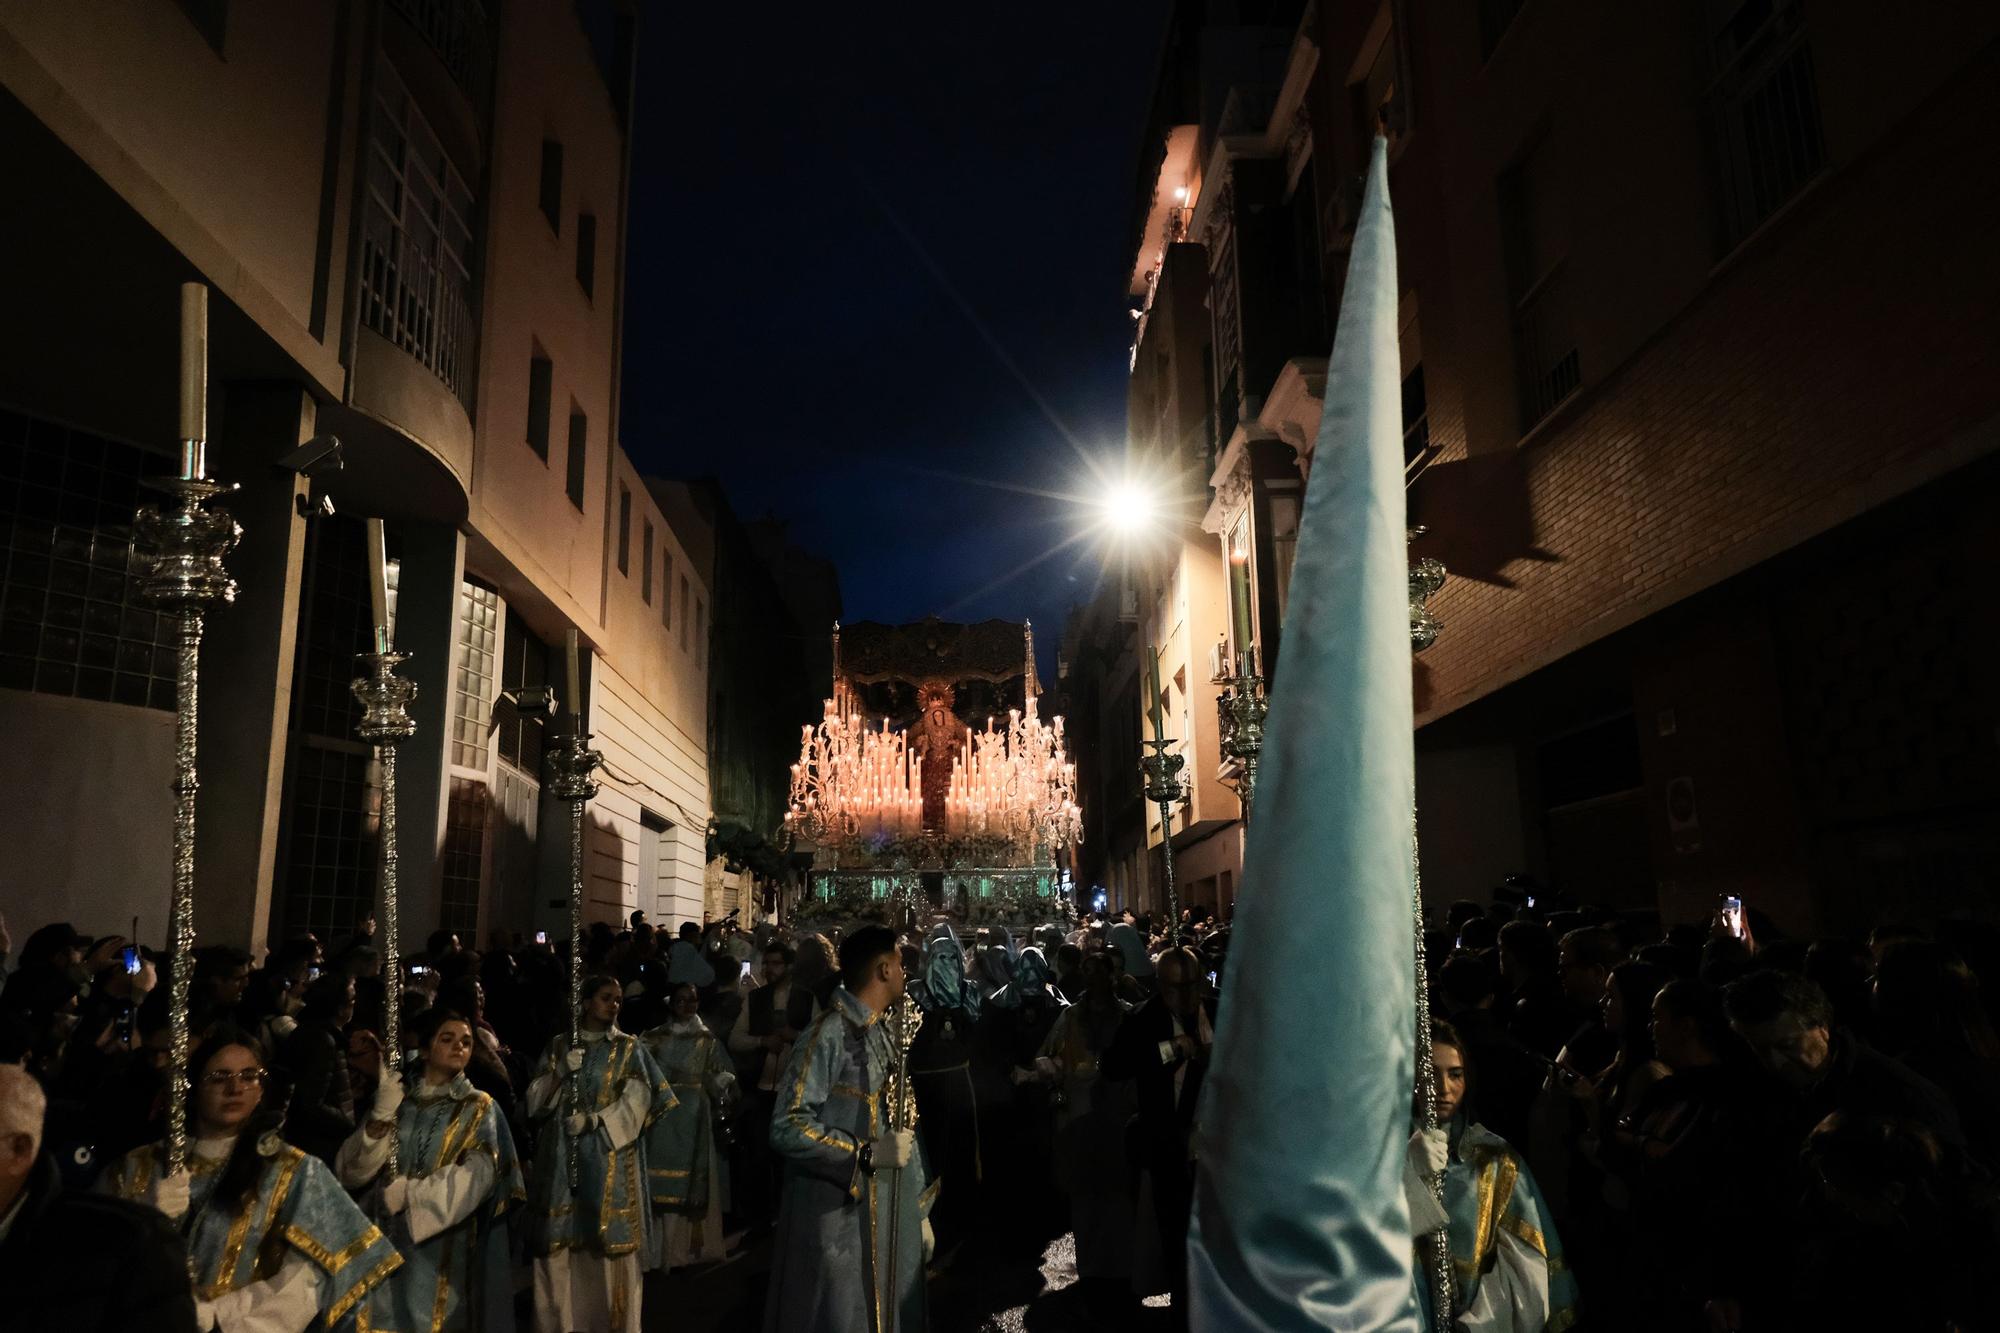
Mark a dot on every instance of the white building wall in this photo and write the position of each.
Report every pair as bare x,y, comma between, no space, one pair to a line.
656,765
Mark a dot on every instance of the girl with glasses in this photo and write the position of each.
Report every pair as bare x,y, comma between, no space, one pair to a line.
276,1244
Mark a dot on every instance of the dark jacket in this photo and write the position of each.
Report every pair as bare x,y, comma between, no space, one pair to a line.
321,1114
87,1262
1165,1117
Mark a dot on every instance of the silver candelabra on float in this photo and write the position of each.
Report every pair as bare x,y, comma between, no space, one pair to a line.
573,763
385,699
1166,788
188,542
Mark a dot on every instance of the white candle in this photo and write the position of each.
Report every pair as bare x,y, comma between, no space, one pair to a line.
378,584
574,675
194,379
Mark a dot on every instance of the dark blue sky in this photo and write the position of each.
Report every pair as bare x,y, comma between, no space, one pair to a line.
785,332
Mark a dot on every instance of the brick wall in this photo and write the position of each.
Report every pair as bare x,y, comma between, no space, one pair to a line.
1847,354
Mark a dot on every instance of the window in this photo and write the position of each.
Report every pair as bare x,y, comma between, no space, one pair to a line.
478,651
464,853
1765,108
579,434
524,665
551,197
541,385
684,613
1241,614
1534,237
624,528
586,252
700,629
416,239
73,622
667,589
646,563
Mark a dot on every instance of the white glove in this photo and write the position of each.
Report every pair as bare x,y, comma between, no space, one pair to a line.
930,1241
1430,1151
574,1059
396,1195
204,1316
388,1097
895,1149
1048,1069
577,1124
170,1195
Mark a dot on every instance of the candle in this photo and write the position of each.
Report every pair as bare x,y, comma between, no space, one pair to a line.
378,584
194,379
1154,706
573,677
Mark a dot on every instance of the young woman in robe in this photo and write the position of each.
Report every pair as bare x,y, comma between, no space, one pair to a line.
682,1164
447,1209
276,1245
586,1241
1507,1261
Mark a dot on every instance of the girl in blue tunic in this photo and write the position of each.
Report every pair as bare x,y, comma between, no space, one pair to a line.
276,1244
447,1210
586,1242
683,1165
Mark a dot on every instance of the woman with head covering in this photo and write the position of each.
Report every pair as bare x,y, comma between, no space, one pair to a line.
1088,1149
1131,946
941,1073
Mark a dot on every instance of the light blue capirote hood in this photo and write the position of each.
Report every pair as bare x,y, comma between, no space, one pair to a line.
1299,1219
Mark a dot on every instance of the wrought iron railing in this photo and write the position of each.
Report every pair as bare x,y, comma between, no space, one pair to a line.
461,35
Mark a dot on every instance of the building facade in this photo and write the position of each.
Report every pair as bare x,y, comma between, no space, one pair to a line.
411,219
1700,408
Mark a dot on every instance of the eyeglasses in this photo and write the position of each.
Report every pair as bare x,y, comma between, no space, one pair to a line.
241,1078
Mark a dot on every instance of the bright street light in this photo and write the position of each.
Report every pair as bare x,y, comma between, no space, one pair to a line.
1128,508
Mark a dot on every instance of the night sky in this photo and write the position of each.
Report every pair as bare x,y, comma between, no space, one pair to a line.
828,208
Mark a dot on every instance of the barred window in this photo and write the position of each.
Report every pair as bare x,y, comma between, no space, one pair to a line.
464,855
72,622
416,239
329,869
1534,233
1765,109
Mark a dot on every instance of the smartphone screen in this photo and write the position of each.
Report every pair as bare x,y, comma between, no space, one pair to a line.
541,937
131,960
744,973
1732,912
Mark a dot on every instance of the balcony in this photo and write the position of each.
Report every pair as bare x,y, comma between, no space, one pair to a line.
460,34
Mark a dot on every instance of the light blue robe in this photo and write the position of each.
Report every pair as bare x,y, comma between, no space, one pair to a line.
835,1268
1492,1200
679,1143
459,1280
295,1206
607,1214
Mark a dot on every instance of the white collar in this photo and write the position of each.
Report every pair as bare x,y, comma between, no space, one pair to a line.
457,1088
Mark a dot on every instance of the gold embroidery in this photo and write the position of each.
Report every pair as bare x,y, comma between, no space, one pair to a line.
232,1250
1533,1238
305,1244
444,1283
339,1309
1496,1189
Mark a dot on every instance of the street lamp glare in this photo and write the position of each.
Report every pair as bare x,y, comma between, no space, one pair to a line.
1128,508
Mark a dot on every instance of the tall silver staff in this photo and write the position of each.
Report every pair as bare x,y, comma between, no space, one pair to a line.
1162,770
573,764
385,722
189,542
902,1114
1426,577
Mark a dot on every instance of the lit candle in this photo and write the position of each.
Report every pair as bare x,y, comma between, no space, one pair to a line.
570,681
194,379
378,582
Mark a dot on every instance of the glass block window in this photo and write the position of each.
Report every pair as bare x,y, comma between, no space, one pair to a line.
478,649
329,871
464,855
71,621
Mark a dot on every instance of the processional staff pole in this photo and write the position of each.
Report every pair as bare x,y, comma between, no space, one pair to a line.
902,1109
188,542
1426,577
386,722
573,763
1162,769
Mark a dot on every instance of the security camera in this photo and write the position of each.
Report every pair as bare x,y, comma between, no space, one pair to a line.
532,700
319,454
311,508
